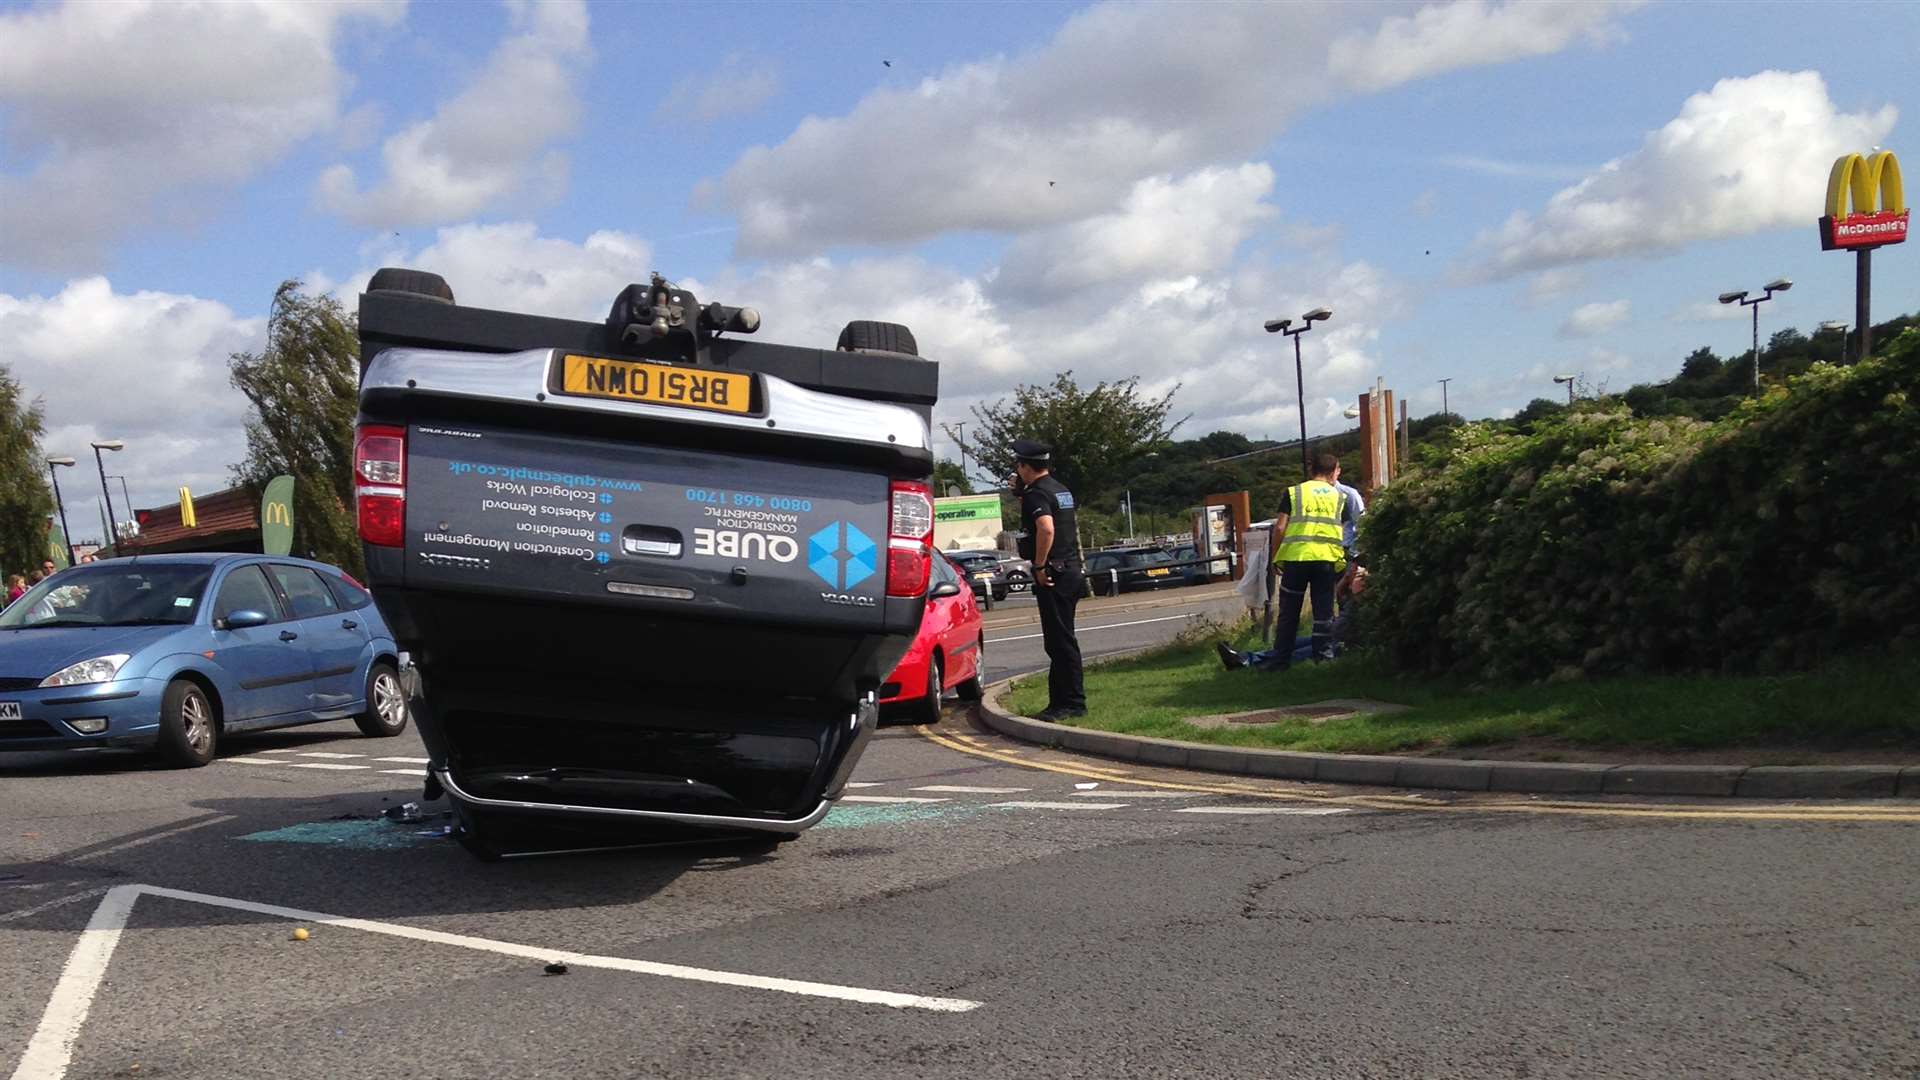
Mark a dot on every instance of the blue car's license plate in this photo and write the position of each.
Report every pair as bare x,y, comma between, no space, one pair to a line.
9,710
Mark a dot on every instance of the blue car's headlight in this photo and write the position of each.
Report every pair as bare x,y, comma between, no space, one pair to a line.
97,670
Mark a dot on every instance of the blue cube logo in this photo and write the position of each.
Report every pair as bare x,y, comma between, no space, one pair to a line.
841,555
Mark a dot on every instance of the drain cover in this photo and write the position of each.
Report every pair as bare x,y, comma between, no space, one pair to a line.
1296,712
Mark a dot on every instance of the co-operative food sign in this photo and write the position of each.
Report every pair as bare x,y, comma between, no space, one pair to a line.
1866,206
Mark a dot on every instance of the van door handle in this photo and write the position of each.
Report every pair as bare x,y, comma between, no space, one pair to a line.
349,624
288,635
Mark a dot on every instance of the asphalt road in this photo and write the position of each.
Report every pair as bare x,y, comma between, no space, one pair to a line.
976,909
1106,626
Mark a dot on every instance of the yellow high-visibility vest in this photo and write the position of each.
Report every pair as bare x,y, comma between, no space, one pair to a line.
1314,532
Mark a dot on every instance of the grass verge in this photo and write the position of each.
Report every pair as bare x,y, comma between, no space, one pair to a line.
1856,703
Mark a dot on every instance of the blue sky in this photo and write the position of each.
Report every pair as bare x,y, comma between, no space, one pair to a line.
1482,191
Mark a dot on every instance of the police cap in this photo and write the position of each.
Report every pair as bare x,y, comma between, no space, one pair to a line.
1028,450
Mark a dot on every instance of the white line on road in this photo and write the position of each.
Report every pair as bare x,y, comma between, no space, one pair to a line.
323,754
325,765
28,913
886,799
1090,629
1294,811
1061,805
961,789
257,761
283,750
865,783
51,1047
404,772
403,760
1141,795
50,1050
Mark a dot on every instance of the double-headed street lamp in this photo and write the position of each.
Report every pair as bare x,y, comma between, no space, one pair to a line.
111,444
1280,326
1771,287
1568,379
53,464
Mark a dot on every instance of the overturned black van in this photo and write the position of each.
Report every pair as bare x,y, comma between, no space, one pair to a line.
648,574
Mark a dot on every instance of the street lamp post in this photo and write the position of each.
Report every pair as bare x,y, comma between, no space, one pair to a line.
1845,329
53,465
115,445
1444,411
1771,287
1568,379
1280,326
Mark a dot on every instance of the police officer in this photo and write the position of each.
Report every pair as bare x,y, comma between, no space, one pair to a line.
1052,544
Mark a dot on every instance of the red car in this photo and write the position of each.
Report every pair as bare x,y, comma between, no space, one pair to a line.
948,654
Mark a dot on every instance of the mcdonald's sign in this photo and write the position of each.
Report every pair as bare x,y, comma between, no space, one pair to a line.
1866,205
276,517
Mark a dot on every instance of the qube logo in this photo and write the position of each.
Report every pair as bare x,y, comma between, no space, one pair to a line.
841,555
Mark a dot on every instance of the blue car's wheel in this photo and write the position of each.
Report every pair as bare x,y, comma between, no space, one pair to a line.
386,713
189,729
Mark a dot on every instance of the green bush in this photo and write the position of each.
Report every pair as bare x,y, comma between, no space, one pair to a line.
1783,533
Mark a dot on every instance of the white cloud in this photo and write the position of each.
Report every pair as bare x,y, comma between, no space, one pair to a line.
1748,155
488,143
738,85
1588,320
511,267
1426,204
1065,131
148,368
1551,284
1709,311
1447,37
1164,228
119,116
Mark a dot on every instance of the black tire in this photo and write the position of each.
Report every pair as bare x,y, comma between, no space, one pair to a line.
416,283
999,594
189,726
385,697
1102,586
866,336
973,689
927,709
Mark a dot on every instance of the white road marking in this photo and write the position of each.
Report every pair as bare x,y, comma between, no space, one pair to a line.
1089,629
283,750
322,754
886,799
257,761
1060,805
28,913
325,765
403,760
865,783
51,1047
50,1050
1295,811
404,772
961,789
1114,794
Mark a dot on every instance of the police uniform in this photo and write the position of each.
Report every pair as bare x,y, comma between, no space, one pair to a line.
1312,555
1048,497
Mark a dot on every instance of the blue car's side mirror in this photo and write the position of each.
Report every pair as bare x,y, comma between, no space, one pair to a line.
240,620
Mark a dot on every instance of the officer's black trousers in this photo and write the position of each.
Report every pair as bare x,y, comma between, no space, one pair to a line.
1297,579
1057,601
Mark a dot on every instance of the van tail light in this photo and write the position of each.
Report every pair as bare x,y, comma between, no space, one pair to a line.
380,483
909,538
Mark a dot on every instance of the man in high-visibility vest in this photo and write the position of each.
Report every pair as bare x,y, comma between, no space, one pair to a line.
1312,556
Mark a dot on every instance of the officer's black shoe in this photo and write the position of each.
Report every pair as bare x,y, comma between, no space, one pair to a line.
1229,656
1054,716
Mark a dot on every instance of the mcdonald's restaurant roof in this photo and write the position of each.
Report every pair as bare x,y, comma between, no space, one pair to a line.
222,519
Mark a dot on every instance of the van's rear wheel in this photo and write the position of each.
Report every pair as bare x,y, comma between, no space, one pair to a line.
415,283
866,336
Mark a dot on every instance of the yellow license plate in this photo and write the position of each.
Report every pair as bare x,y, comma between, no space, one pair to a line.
1157,573
657,384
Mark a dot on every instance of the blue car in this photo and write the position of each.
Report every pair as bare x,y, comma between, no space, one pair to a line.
171,652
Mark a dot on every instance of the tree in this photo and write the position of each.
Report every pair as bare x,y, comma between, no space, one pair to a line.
304,388
1096,434
25,500
1701,364
1539,409
948,474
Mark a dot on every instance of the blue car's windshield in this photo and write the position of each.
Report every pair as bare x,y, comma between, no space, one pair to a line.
112,595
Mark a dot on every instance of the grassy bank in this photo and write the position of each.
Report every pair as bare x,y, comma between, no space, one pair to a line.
1856,703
